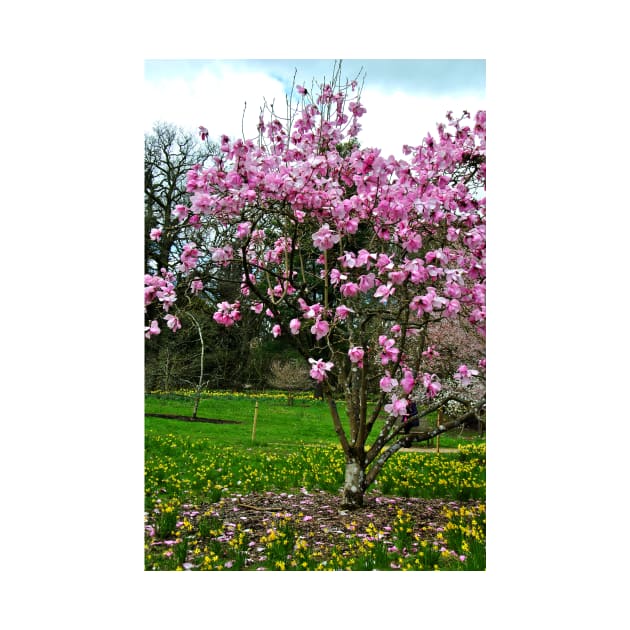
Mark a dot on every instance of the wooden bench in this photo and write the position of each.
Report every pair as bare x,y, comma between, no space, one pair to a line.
425,426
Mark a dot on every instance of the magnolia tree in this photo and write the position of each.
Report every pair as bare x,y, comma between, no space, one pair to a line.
354,257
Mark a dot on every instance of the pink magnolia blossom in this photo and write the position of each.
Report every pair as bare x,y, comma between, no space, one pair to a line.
155,234
348,260
426,303
203,132
319,368
180,212
336,276
367,282
431,353
276,331
294,326
324,238
173,322
257,308
243,230
464,374
431,385
357,109
351,226
153,329
384,291
349,289
356,354
397,277
452,308
167,297
228,314
196,286
453,290
398,406
452,234
407,382
160,288
417,271
189,257
384,263
389,353
320,328
413,242
222,254
364,258
477,315
387,383
342,311
276,291
201,202
149,295
310,312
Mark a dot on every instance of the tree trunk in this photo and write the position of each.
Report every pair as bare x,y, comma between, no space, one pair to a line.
354,484
203,352
196,406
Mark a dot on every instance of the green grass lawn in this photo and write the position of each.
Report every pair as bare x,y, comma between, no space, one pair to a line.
192,465
277,423
307,421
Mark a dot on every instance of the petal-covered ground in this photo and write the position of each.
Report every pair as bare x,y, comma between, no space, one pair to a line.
311,531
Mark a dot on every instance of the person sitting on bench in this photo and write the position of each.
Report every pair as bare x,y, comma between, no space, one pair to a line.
411,419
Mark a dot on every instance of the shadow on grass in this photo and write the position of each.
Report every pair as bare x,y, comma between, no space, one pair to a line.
171,416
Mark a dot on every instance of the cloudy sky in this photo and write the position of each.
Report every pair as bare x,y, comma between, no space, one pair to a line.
404,99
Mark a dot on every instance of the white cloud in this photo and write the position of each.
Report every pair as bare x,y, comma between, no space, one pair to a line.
399,118
216,97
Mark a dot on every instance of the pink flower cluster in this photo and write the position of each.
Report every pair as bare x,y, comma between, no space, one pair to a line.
196,286
389,352
319,369
397,407
160,288
320,328
227,314
431,385
356,355
387,383
273,200
324,238
189,257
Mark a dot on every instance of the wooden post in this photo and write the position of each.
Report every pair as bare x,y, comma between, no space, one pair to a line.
437,437
255,420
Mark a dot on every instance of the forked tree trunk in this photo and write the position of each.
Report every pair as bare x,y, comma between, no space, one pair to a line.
354,484
362,471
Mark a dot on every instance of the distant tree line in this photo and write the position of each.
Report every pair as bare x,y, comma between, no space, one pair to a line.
245,355
237,357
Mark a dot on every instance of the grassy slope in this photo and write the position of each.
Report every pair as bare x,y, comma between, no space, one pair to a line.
306,421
